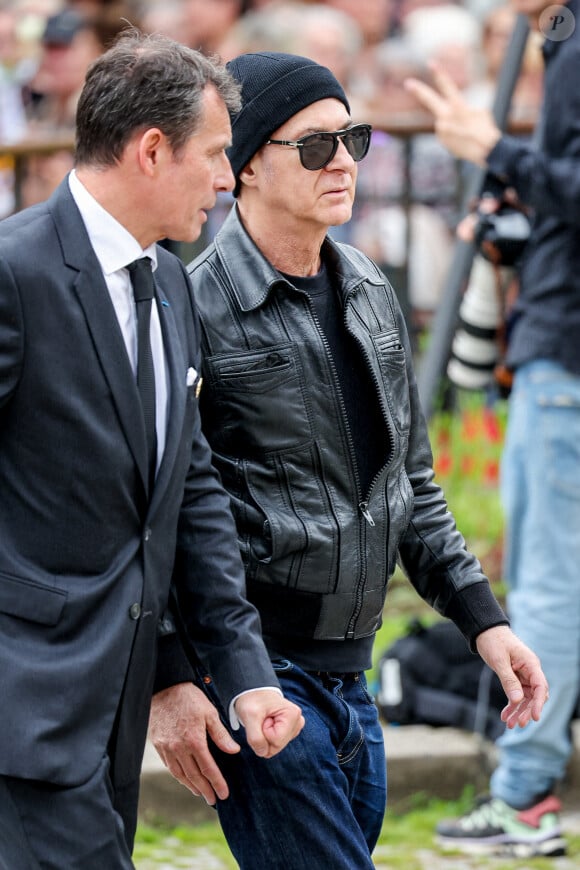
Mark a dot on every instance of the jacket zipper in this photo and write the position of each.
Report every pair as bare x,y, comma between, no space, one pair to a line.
363,505
364,509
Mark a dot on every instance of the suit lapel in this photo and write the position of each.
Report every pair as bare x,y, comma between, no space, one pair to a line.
92,293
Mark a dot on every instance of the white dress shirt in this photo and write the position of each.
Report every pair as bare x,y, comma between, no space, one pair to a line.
115,248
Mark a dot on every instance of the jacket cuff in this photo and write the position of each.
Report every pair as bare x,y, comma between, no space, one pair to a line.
172,664
505,157
475,609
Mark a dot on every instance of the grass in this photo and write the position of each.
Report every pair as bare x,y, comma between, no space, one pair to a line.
407,840
202,847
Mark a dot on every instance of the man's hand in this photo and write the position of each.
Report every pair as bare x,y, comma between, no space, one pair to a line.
182,717
520,674
468,133
180,720
270,720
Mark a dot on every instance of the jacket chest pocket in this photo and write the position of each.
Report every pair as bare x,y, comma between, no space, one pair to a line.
393,365
259,401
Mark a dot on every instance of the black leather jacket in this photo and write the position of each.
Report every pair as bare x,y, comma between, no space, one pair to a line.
317,551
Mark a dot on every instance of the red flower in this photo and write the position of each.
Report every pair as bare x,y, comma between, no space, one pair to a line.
471,425
467,465
491,426
491,472
443,464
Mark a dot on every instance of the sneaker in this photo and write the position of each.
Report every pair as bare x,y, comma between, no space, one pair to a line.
493,827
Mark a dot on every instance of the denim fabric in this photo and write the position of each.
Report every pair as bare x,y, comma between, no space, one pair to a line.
319,803
541,493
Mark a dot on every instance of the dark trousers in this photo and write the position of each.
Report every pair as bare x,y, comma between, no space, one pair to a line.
47,827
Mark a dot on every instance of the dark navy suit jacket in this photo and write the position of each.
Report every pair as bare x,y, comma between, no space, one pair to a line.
86,557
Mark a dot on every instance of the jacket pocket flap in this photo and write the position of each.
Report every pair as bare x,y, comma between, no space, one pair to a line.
28,600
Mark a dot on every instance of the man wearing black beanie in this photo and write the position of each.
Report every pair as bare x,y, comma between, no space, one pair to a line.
311,408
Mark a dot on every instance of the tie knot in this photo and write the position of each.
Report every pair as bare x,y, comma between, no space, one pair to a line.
142,279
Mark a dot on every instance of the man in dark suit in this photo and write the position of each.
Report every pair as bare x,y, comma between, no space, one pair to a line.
90,537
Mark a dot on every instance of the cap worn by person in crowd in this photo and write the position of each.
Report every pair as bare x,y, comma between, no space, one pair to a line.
275,86
62,28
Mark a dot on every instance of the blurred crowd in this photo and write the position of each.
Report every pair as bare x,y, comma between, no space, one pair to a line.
407,198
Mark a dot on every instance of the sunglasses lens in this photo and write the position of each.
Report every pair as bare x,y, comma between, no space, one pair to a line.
357,142
317,150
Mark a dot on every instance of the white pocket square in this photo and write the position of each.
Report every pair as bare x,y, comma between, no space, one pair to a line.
190,377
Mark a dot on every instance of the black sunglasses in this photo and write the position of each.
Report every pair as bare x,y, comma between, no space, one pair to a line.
317,149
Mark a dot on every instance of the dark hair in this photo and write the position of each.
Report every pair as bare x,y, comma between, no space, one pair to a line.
145,81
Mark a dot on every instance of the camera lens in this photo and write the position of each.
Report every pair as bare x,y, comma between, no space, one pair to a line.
474,351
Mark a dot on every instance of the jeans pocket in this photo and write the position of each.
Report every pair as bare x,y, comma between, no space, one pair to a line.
361,682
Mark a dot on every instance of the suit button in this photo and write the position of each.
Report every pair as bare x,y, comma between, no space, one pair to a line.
135,611
147,534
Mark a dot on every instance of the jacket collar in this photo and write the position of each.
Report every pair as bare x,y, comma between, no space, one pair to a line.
253,278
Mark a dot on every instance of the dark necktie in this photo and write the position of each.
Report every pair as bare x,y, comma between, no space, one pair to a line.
143,290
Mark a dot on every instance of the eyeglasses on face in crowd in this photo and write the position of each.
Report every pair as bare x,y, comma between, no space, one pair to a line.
317,149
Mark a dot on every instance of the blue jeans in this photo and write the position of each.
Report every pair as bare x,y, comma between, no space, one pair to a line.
320,802
541,495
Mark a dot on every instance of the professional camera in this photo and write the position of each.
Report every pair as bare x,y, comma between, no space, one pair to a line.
475,349
479,343
502,235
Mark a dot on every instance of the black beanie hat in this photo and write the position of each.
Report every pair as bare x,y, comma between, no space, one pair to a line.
275,86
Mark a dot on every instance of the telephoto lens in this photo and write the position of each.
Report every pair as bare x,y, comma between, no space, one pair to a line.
475,350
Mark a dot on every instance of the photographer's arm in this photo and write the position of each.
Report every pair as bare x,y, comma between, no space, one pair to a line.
551,184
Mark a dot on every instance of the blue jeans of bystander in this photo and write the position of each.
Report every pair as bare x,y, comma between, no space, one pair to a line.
320,802
541,494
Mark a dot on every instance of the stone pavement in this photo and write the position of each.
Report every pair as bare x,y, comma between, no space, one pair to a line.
438,762
201,858
172,855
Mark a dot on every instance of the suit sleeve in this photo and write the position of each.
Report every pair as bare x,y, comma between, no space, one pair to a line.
173,665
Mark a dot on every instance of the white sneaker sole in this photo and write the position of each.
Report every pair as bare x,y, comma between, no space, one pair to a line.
553,846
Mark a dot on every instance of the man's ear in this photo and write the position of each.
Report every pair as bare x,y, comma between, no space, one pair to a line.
152,148
248,174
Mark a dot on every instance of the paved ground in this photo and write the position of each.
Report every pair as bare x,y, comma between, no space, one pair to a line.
202,858
435,761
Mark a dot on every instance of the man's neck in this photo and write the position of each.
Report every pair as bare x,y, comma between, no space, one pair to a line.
107,185
291,246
